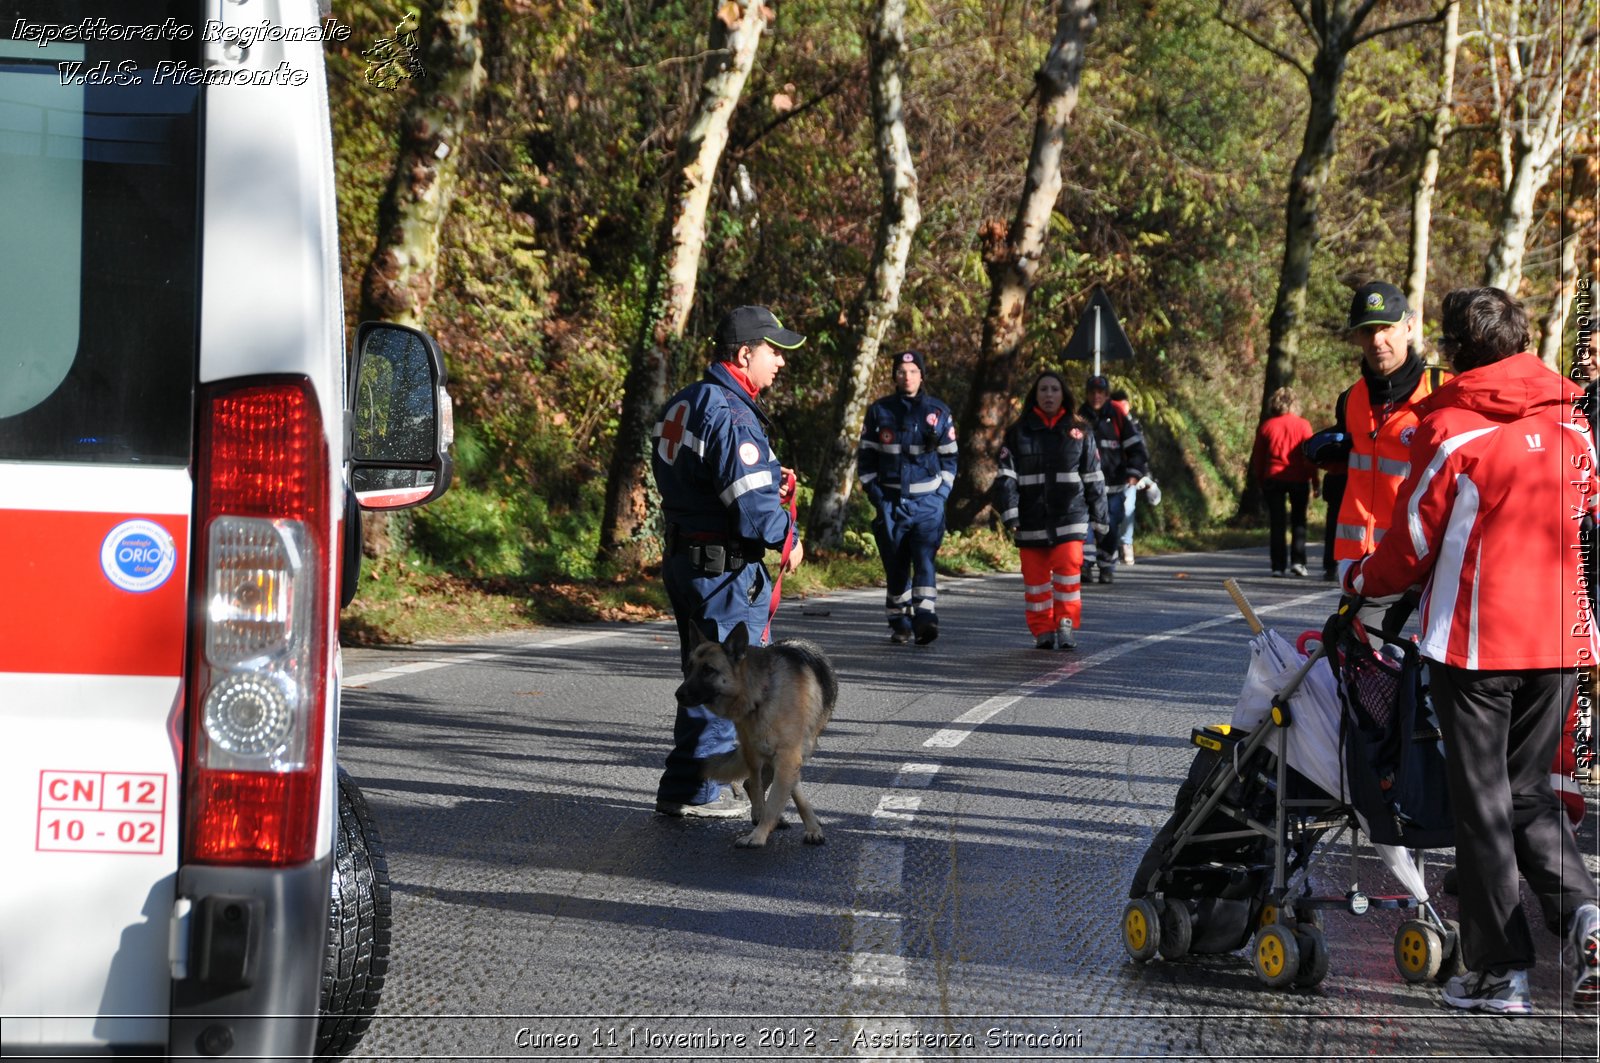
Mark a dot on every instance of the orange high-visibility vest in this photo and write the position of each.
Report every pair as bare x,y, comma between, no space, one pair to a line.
1380,461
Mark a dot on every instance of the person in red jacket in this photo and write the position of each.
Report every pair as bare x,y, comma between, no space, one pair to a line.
1502,475
1287,479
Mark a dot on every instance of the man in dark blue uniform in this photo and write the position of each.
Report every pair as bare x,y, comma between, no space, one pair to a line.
725,502
1124,462
906,462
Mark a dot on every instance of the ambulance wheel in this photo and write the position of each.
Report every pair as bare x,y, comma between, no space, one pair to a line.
1276,956
1177,930
1453,962
1418,951
357,956
1141,930
1313,956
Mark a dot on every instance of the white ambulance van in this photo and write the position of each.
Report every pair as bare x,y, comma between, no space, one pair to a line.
187,871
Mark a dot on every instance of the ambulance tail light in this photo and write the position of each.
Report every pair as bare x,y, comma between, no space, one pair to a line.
260,657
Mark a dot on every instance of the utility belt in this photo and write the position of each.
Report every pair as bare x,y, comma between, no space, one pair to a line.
712,554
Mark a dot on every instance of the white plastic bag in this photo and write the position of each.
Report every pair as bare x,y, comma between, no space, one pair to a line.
1313,731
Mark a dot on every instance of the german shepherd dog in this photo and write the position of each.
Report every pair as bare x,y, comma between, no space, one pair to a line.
779,698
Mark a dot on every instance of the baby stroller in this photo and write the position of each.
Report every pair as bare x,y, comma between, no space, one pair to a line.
1338,740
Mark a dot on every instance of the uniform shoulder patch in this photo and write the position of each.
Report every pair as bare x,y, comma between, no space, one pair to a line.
671,432
933,419
886,435
749,453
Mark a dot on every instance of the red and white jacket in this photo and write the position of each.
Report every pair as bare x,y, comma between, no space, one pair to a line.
1502,472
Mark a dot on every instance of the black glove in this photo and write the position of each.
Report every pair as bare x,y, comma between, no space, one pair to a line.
1339,623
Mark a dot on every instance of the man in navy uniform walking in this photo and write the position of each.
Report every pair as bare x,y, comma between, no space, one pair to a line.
725,502
906,462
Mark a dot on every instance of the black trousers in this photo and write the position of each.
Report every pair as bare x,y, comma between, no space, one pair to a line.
1500,735
1333,497
1287,501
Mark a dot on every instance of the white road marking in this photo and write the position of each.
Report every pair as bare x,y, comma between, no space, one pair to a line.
983,712
396,671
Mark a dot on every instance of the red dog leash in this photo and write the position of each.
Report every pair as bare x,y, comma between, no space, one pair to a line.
786,490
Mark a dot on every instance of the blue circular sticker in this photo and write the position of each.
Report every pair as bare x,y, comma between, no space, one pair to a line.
138,555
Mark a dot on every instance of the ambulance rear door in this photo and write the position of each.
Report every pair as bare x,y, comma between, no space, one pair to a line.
100,239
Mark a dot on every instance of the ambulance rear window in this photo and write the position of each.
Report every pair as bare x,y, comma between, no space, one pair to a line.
99,232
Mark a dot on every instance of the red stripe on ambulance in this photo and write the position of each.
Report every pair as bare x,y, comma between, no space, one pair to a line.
64,615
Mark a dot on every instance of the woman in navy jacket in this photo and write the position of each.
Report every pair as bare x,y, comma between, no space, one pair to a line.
1050,493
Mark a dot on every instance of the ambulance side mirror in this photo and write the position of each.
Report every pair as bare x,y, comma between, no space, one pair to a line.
402,423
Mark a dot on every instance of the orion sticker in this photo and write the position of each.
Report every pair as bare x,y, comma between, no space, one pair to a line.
138,555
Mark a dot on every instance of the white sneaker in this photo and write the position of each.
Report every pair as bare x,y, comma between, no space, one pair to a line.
1585,940
1065,639
1481,991
1127,553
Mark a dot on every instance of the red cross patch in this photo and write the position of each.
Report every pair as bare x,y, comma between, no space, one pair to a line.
749,453
933,419
886,436
1077,433
672,431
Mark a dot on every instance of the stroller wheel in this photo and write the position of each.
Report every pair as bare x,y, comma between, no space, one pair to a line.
1313,956
1453,963
1418,951
1276,956
1141,930
1177,930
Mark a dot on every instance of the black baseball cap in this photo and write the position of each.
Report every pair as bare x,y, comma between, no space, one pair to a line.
753,325
1098,383
911,357
1377,303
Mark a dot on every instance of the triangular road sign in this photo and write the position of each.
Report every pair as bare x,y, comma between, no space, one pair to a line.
1099,336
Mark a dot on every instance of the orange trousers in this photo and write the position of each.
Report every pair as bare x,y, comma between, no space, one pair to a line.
1051,578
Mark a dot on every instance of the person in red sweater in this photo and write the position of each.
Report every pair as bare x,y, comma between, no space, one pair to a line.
1287,479
1489,518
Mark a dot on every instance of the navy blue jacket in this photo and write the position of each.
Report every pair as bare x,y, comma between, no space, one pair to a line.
1122,450
907,453
714,467
1050,488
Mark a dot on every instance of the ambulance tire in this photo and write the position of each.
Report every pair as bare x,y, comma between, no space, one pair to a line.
359,921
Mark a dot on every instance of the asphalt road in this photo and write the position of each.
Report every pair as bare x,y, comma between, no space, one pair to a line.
985,805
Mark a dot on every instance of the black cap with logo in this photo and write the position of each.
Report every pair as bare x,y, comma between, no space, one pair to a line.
1377,303
753,325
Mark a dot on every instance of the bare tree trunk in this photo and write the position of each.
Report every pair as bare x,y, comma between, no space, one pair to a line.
1561,300
1503,267
897,225
1011,257
1334,29
1437,129
398,285
1306,182
1544,52
399,281
736,30
1576,223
